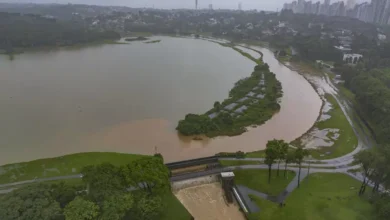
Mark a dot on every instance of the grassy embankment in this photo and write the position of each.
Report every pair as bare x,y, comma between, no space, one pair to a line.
257,179
60,166
228,122
347,140
322,196
228,163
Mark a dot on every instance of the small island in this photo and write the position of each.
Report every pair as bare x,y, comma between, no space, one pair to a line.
136,39
252,101
152,42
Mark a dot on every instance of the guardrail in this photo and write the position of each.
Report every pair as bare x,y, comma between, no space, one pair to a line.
192,162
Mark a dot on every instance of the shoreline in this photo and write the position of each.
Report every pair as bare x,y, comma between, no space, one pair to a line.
75,46
292,68
113,138
215,115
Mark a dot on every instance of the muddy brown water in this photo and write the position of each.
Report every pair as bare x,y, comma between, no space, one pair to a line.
128,98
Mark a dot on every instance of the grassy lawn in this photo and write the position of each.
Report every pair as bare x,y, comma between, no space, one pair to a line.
322,196
227,163
346,142
60,166
256,154
174,209
257,179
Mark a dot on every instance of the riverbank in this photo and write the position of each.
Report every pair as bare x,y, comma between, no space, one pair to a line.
61,166
332,135
18,51
89,129
252,101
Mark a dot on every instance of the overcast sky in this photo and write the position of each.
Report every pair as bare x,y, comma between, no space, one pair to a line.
271,5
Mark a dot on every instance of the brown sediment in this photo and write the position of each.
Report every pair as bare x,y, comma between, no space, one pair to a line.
300,107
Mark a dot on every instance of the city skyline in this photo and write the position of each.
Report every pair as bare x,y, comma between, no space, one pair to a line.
168,4
374,11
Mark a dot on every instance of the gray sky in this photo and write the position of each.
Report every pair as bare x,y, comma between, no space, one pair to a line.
272,5
231,4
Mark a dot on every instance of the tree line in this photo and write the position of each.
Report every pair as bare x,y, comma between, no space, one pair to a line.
133,191
278,151
375,167
19,31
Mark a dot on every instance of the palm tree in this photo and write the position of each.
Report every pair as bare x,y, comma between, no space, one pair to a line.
271,154
300,153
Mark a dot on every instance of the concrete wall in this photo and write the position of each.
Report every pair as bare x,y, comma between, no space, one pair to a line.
176,186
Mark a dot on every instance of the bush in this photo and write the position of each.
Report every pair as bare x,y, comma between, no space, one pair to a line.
195,124
238,154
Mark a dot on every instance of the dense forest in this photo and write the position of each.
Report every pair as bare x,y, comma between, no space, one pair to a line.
27,31
370,82
134,191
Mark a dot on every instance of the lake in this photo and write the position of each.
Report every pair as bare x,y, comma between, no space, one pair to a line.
128,98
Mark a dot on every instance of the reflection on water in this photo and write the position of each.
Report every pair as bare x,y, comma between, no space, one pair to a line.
128,98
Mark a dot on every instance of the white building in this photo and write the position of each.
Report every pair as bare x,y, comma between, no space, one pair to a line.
352,57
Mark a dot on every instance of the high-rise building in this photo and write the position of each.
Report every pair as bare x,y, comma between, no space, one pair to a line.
350,4
301,6
327,2
378,7
239,6
196,4
211,6
386,13
316,8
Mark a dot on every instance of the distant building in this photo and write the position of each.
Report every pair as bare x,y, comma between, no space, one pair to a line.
211,6
352,58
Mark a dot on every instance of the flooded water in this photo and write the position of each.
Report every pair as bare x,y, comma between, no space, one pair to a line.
128,98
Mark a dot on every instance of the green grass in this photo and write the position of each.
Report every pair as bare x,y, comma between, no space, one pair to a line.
174,209
227,163
60,166
346,142
257,179
256,154
322,196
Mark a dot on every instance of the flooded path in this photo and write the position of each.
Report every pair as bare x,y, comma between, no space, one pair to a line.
300,107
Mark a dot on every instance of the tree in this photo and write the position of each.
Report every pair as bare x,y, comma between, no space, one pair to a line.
103,181
147,207
81,209
355,60
380,166
282,152
300,154
148,174
290,158
63,193
271,154
195,124
116,207
365,159
33,202
217,106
